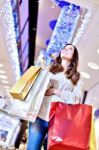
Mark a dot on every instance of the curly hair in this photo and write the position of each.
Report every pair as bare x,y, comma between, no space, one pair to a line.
71,72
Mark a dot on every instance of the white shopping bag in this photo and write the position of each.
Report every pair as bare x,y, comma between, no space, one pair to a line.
29,108
9,129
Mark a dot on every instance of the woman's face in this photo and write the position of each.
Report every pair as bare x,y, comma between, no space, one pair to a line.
67,52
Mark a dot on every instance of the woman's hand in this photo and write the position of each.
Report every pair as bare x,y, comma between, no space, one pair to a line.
77,100
53,91
49,92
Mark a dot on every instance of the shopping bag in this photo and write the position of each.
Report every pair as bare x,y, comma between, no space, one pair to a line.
9,130
69,127
97,132
23,85
92,135
29,108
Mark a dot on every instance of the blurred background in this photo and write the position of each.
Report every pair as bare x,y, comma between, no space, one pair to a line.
34,29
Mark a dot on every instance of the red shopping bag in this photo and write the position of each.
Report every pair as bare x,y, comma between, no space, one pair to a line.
70,127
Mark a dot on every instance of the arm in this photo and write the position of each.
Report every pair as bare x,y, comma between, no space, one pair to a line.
71,97
75,96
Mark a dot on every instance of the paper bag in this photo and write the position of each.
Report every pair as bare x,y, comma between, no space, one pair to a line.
70,127
28,109
23,85
92,135
9,130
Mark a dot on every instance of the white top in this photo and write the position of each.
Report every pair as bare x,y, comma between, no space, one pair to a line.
69,91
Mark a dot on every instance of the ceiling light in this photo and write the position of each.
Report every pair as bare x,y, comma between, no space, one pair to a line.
98,51
2,71
3,77
4,81
93,65
85,75
1,65
6,87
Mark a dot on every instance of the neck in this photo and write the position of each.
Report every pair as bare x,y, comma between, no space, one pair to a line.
65,64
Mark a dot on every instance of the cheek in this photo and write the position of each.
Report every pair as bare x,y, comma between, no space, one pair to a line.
70,55
62,54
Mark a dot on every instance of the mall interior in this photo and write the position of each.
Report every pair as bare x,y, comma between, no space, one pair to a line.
31,32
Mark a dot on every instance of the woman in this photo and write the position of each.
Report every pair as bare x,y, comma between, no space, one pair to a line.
65,86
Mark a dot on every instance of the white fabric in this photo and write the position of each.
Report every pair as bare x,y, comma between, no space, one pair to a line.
69,91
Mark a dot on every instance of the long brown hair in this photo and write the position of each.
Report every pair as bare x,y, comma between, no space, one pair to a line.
71,72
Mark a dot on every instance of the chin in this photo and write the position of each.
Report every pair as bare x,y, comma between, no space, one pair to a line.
65,58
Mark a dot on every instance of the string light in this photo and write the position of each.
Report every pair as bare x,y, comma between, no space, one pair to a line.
64,28
8,30
81,29
55,2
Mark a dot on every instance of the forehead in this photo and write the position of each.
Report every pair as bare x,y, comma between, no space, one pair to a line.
69,46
